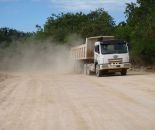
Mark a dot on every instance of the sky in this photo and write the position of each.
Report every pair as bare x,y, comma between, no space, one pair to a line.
24,15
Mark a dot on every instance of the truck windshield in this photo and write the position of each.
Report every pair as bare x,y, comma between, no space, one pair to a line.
114,47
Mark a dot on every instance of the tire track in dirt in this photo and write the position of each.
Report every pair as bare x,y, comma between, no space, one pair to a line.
77,102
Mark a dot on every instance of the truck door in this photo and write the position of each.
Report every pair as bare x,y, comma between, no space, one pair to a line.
96,54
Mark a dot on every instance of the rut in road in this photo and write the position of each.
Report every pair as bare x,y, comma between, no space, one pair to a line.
77,102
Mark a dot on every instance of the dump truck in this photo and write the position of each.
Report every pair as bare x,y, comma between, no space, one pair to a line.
101,55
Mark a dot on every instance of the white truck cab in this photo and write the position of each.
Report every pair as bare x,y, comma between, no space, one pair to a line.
111,56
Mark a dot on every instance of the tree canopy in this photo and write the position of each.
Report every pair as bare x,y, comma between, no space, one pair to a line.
8,35
97,22
139,30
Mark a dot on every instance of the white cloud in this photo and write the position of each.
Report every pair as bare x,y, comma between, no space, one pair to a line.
89,4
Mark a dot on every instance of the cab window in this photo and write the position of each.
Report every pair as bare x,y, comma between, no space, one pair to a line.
97,50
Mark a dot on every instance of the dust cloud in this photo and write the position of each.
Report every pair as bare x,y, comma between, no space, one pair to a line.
37,56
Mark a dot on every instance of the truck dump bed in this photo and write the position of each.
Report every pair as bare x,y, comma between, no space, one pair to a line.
86,51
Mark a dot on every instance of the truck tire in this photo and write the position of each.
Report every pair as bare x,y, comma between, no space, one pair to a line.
85,69
124,72
98,72
88,71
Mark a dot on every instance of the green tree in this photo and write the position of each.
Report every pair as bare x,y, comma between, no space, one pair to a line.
59,27
8,35
139,30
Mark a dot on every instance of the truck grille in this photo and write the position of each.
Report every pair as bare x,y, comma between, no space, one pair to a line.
115,61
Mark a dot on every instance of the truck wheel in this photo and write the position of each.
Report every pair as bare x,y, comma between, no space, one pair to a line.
124,72
85,69
98,72
88,71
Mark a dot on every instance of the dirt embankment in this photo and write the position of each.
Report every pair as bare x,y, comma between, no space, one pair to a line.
143,68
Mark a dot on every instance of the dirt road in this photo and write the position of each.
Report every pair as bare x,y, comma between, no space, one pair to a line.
78,102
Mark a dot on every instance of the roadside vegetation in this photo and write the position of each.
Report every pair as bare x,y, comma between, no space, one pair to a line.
138,29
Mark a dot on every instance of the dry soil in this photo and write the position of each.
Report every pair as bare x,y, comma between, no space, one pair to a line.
77,102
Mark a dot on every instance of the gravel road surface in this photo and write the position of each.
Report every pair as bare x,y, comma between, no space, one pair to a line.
77,102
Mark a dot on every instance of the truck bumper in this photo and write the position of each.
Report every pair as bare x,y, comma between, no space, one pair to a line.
115,67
